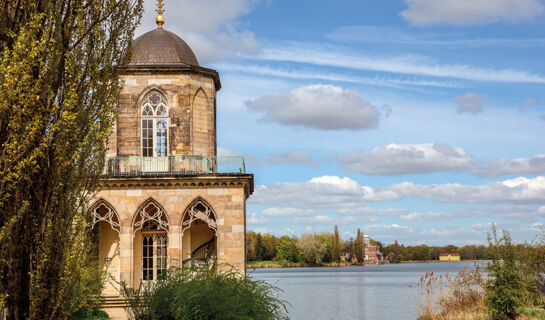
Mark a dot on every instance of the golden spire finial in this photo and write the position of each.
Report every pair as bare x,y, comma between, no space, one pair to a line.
160,20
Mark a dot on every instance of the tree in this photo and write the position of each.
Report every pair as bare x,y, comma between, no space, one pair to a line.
269,243
260,250
348,248
59,83
506,285
359,247
286,250
397,256
336,246
251,240
311,249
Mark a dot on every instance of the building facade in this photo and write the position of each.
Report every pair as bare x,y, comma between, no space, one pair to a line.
449,257
372,253
166,197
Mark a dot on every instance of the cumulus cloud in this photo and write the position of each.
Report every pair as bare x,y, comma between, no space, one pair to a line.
470,103
396,159
346,193
290,158
322,107
211,27
496,168
468,12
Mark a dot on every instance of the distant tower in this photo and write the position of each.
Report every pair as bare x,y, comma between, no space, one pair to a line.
167,198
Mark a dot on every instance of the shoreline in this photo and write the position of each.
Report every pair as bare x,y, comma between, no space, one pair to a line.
276,264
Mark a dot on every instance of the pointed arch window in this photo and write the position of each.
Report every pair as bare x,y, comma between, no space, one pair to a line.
154,125
152,223
104,212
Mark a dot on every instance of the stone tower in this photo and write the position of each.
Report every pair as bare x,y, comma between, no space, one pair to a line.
167,198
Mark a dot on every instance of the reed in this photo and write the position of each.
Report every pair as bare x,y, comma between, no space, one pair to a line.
451,297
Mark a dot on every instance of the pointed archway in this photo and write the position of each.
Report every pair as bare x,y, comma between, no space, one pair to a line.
199,232
107,227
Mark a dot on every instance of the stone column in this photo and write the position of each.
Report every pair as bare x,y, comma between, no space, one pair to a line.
125,255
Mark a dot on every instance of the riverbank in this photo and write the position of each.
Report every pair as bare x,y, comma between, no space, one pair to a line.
279,264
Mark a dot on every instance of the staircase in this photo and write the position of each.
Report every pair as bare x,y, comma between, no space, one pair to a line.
114,306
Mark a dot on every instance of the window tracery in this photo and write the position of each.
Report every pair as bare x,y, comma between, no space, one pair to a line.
154,125
104,212
151,218
199,211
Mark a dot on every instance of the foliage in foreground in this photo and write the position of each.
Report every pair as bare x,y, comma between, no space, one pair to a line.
204,292
507,289
59,84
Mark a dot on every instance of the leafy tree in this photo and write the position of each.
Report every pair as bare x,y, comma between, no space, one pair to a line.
251,241
286,250
397,256
325,239
506,287
311,249
260,251
269,243
59,83
359,247
348,249
336,245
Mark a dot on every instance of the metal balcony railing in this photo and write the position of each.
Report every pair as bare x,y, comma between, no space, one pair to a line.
175,165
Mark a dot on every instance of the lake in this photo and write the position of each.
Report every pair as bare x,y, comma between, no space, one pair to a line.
356,292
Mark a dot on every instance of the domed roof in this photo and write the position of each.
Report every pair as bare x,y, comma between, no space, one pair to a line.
161,47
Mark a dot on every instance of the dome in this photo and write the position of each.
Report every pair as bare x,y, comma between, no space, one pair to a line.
160,47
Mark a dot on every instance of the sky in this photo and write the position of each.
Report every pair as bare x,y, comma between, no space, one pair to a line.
416,120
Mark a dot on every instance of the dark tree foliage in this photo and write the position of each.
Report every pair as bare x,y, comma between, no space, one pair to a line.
59,83
359,247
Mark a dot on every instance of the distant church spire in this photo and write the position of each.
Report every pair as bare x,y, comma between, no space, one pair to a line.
160,20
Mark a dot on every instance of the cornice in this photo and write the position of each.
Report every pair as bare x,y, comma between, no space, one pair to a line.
238,180
170,69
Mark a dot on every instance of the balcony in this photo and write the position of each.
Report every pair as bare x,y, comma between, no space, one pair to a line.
172,166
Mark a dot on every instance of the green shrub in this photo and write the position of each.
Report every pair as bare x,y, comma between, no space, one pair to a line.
88,314
507,284
205,292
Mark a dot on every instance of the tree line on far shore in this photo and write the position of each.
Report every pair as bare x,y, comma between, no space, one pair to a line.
326,247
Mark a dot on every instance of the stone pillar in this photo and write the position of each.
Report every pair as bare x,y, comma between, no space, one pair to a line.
174,246
125,255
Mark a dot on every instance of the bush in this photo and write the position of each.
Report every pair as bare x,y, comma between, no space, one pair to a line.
88,314
507,284
205,292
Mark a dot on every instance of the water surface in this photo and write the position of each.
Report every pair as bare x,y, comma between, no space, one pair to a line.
356,292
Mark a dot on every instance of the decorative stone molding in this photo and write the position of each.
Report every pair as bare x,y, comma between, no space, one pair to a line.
199,210
105,212
150,212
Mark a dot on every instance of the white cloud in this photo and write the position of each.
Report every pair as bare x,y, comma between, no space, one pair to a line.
290,158
496,168
287,212
254,219
470,103
395,82
468,12
323,107
385,34
334,56
211,27
344,193
396,159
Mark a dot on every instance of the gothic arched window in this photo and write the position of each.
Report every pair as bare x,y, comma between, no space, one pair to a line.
154,125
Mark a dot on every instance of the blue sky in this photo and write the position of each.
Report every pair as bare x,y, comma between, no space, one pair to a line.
416,120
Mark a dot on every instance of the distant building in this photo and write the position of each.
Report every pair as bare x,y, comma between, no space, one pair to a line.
372,253
449,257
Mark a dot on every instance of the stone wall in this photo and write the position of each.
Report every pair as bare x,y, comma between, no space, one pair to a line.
192,114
